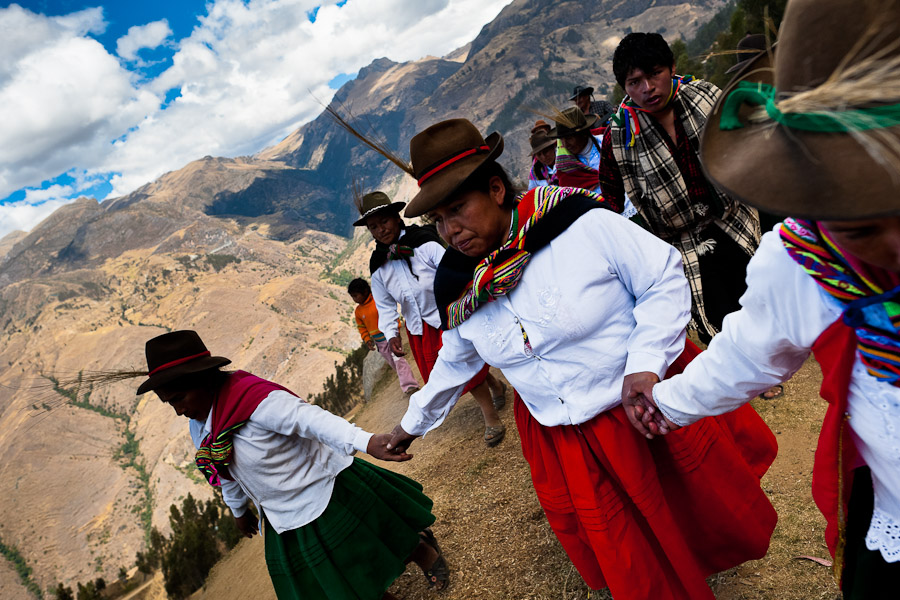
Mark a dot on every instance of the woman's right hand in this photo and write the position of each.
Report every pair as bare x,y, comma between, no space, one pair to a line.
396,346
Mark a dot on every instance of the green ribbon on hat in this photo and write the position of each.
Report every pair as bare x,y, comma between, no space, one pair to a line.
843,121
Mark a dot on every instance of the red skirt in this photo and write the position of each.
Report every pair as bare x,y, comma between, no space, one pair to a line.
652,519
425,350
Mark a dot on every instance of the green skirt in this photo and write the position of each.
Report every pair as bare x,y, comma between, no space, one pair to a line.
358,546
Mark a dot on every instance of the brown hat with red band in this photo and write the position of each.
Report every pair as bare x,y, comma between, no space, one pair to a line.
175,354
443,157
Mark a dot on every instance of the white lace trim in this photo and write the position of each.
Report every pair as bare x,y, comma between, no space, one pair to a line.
884,536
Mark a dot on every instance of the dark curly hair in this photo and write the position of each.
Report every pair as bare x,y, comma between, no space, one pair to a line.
359,286
644,51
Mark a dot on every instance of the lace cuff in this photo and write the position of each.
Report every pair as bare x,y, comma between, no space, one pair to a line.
884,536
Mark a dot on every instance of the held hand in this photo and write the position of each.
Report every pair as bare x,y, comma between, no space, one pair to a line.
371,344
396,346
637,398
400,441
378,447
246,523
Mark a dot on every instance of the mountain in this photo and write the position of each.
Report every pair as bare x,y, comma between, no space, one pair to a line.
254,253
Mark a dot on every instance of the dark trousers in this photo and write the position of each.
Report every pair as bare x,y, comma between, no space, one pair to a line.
866,574
723,275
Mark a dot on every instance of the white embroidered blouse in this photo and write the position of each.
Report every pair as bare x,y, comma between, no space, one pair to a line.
393,284
604,299
286,458
783,313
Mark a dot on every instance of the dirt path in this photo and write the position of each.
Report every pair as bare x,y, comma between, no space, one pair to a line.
499,545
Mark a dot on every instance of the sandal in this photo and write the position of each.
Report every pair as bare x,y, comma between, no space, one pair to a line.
776,391
438,575
494,435
499,400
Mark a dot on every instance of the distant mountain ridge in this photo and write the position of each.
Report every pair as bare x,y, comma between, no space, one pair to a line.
252,252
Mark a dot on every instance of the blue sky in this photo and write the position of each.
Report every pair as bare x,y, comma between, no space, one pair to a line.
100,98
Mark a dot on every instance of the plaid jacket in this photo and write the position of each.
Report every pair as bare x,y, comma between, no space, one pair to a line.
677,206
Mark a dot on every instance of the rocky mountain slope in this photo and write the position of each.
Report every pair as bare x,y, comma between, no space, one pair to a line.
249,251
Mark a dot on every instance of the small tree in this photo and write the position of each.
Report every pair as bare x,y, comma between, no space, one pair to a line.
63,593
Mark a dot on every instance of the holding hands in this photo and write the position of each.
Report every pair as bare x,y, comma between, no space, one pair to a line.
380,447
637,398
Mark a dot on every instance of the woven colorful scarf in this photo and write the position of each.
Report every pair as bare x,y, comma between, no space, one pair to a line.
234,404
870,307
571,172
540,175
499,272
627,118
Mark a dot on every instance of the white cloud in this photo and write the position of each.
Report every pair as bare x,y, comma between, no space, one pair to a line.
245,73
25,214
152,35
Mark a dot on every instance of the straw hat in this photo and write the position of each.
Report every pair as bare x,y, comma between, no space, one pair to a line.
835,61
572,121
443,157
376,202
175,354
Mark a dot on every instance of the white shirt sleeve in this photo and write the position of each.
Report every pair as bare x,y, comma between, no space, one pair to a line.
287,414
457,363
651,270
387,307
232,492
431,254
764,343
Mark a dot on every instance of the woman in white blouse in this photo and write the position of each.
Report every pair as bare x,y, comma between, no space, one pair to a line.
575,304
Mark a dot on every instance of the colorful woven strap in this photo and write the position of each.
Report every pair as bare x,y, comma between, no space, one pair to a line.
499,273
871,310
398,252
627,115
215,455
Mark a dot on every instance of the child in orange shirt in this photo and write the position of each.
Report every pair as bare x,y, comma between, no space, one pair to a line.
367,323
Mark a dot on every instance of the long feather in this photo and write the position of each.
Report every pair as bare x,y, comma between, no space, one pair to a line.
370,141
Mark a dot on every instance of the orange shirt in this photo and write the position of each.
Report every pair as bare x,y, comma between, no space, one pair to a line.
367,321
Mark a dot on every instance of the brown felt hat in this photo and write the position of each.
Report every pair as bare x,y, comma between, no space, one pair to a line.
541,125
810,174
748,47
443,157
374,203
176,354
541,141
572,121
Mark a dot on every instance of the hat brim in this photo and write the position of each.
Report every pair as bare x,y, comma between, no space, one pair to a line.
591,122
443,185
542,147
588,90
393,206
811,175
169,375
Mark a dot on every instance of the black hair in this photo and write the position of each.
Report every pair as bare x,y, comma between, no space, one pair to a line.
644,51
359,286
480,181
210,379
